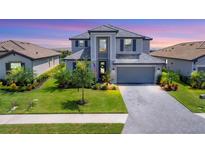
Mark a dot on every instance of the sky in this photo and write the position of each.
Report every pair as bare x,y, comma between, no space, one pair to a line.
56,33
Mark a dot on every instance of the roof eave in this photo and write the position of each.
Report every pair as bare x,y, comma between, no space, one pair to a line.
176,57
79,38
103,31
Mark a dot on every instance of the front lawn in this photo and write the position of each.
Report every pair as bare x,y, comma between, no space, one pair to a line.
190,98
61,129
50,99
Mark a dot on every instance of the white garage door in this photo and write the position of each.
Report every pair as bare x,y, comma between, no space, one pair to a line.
135,75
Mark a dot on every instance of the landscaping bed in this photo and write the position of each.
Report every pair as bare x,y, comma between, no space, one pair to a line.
61,129
50,99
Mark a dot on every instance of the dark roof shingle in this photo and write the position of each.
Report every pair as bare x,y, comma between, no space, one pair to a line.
27,49
110,28
186,51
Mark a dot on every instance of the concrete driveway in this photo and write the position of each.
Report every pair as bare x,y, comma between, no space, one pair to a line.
152,110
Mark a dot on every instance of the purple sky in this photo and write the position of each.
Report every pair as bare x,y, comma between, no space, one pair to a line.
56,33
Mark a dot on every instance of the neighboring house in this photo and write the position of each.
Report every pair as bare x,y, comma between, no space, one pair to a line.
30,56
123,53
184,57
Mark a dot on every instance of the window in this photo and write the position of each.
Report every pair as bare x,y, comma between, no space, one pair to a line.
81,43
102,45
15,65
49,61
53,61
128,44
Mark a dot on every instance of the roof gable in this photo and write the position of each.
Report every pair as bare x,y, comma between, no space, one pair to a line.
103,28
110,28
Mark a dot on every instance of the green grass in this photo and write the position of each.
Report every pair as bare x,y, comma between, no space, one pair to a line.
54,100
61,129
190,98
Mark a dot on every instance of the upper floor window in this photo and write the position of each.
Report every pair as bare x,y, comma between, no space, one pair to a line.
81,43
127,44
102,45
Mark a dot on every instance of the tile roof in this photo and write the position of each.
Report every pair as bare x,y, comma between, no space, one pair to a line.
110,28
81,54
186,51
29,50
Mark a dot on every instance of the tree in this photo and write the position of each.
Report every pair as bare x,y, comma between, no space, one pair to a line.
82,77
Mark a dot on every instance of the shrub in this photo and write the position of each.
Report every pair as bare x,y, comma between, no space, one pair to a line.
164,70
112,87
197,79
13,87
166,81
185,79
107,77
1,84
63,78
96,86
104,87
20,76
203,85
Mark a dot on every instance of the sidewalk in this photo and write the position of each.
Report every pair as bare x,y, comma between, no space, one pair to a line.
62,118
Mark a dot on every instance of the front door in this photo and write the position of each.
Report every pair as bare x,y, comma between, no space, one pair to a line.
102,69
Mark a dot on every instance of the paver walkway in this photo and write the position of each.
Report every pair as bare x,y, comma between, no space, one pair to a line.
62,118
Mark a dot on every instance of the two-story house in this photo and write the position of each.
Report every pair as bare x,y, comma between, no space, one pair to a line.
123,53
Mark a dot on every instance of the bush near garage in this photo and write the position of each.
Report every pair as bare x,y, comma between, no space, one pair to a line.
197,80
167,80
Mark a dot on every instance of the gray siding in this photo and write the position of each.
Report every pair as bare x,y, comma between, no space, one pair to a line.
42,65
200,64
13,58
75,49
69,65
182,66
201,61
146,46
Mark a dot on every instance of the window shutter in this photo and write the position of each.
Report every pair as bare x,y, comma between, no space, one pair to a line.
86,43
134,45
8,67
74,65
76,43
23,65
121,45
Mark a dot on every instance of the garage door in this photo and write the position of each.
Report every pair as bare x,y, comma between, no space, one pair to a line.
135,74
201,68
